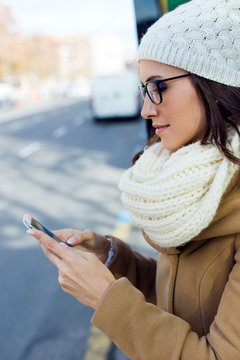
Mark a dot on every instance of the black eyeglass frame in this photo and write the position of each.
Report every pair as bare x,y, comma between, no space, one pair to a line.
144,88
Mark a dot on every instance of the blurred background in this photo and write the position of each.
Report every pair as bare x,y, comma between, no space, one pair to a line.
69,126
54,49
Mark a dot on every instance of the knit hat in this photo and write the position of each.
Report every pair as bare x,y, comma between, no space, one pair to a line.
201,36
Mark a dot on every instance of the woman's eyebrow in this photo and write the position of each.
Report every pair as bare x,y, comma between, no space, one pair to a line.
153,77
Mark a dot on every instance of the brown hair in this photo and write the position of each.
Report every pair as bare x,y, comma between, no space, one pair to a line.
222,105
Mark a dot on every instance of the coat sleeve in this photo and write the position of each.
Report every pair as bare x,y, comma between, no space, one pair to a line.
138,269
145,332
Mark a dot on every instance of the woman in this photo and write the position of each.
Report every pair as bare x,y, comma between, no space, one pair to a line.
183,192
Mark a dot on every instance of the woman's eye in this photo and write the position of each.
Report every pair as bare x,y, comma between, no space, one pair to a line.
162,86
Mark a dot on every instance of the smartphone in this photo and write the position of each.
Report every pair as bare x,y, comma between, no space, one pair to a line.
30,223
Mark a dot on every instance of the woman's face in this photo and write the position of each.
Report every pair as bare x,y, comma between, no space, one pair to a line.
180,119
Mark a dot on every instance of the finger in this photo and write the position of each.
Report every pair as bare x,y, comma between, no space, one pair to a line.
80,237
49,254
74,240
49,243
63,234
52,257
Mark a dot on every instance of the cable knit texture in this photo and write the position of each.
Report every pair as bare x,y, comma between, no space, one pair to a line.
201,36
174,196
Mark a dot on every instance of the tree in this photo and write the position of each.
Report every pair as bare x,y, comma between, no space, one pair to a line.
7,33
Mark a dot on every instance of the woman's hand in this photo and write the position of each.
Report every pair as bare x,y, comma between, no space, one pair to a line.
81,273
87,241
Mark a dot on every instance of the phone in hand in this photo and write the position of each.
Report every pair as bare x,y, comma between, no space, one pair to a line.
30,223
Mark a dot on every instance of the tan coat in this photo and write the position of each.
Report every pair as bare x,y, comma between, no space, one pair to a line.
197,311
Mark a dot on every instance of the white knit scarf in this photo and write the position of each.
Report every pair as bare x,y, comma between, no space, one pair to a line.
173,196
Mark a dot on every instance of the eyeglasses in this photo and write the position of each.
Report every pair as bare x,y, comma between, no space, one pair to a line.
154,88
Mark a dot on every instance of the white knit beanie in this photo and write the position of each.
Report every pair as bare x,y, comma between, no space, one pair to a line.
201,36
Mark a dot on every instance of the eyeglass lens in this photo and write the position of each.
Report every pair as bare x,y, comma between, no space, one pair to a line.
154,93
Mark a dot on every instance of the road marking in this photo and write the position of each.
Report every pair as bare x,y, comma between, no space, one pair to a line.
29,150
77,120
37,118
122,231
59,132
98,343
15,126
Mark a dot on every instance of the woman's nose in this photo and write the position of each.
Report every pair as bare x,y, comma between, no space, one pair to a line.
148,109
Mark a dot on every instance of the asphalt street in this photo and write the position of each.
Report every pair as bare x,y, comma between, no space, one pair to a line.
62,168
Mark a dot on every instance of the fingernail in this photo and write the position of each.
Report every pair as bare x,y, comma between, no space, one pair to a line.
70,241
63,244
30,232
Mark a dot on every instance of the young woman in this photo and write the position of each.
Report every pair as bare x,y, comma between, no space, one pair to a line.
183,191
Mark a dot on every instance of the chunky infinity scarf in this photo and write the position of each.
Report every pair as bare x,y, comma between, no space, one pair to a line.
174,196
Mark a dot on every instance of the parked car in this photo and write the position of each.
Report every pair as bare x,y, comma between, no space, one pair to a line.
6,96
115,96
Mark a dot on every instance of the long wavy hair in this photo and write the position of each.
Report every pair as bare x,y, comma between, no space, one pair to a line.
222,106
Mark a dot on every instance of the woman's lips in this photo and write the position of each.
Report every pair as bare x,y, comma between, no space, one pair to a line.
160,128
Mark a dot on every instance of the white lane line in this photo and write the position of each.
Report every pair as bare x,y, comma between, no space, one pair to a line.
37,118
15,126
29,150
77,121
59,132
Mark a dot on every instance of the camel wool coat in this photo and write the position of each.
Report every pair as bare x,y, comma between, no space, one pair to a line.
185,305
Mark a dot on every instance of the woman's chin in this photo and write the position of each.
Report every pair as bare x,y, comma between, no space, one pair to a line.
170,146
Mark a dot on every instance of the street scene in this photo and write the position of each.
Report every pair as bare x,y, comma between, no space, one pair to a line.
63,168
62,155
70,124
119,127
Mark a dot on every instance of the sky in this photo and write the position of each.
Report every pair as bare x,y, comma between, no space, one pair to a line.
60,17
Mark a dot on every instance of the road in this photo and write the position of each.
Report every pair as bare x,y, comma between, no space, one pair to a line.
61,167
